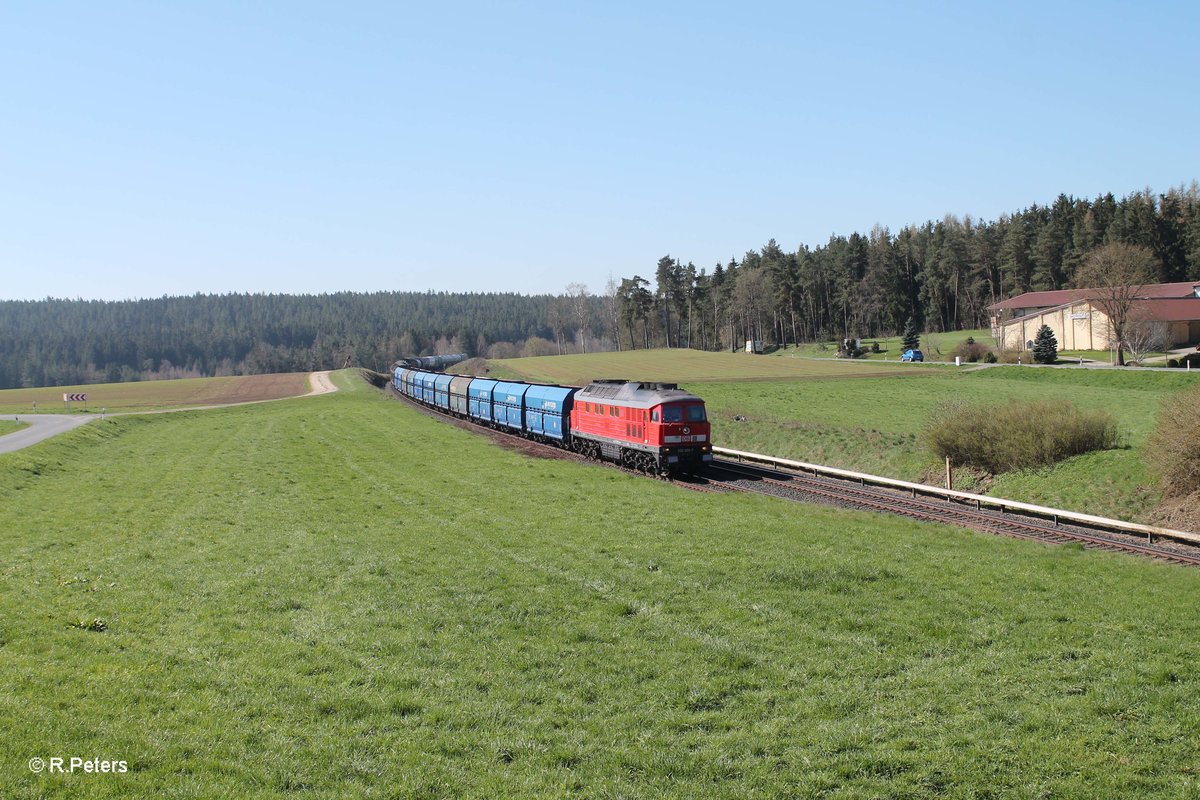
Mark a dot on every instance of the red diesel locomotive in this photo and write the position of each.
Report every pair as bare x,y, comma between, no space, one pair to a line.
654,427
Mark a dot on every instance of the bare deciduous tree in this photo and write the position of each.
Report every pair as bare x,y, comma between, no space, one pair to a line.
1118,274
581,311
612,308
1143,337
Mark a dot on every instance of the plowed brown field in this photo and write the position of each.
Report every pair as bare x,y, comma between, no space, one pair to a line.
154,395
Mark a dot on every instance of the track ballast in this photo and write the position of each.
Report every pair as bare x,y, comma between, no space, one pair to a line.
732,476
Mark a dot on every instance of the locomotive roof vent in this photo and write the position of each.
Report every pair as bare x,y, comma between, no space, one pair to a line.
605,387
658,387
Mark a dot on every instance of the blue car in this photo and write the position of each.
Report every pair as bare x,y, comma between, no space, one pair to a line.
912,355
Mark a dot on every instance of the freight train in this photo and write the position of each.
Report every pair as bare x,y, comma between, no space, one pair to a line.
652,427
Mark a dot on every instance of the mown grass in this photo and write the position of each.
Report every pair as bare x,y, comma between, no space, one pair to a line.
8,426
686,366
154,395
874,425
936,346
868,416
336,596
1102,356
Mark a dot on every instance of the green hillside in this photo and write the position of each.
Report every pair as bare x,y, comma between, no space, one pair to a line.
693,366
337,596
869,416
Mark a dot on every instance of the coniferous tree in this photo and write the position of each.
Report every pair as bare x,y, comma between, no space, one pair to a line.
1045,346
911,339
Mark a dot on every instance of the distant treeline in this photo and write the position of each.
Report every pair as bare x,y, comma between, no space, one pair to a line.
943,275
60,342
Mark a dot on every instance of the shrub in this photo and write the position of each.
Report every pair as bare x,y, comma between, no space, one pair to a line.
972,351
1173,447
989,357
1013,356
1173,363
1017,435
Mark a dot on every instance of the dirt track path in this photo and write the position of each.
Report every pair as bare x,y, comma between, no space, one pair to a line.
44,426
321,383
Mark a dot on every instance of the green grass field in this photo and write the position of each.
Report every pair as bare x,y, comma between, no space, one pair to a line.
689,366
337,596
868,416
936,346
874,425
155,395
8,426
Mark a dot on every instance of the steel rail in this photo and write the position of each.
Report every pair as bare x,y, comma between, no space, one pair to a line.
839,491
933,511
978,500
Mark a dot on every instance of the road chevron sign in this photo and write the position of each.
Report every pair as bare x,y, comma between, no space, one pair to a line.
70,398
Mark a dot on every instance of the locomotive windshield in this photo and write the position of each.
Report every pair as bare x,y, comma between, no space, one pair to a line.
677,413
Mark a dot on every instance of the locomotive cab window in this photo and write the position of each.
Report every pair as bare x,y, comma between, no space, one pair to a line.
654,415
695,413
672,414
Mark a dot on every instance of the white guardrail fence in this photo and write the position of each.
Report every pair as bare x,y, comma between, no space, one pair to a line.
978,500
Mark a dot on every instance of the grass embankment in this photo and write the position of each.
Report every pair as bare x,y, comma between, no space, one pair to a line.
935,346
154,395
868,416
9,426
688,366
293,609
874,425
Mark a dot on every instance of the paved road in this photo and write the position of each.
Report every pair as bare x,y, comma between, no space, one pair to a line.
41,426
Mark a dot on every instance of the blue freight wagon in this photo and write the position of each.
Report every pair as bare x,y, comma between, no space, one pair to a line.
547,410
458,394
479,399
441,391
508,404
425,387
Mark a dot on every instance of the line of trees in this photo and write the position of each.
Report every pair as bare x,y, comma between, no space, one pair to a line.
941,274
61,342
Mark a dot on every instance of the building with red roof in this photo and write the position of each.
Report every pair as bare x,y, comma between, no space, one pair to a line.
1169,311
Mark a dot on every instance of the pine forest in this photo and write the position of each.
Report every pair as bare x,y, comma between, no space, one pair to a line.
942,274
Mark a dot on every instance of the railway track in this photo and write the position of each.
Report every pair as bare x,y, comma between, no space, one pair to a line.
549,451
807,488
732,476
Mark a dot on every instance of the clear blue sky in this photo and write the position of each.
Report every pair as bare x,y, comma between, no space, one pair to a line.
151,148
